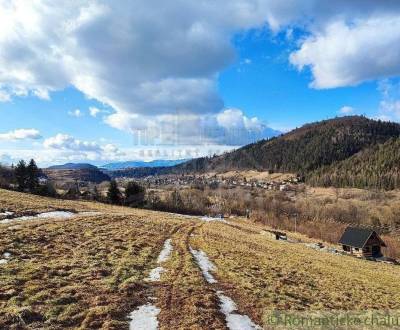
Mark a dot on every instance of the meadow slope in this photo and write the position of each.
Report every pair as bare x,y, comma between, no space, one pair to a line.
92,270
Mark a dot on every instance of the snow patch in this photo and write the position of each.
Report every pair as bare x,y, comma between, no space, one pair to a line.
144,318
234,320
6,214
6,257
206,266
166,251
45,215
155,274
210,219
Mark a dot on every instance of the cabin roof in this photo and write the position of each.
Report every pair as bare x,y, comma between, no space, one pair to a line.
357,237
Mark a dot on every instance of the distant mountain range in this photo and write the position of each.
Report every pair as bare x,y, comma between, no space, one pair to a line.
135,164
73,166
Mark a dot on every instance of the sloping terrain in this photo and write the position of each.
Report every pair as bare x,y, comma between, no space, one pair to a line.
375,167
72,175
304,149
96,270
72,166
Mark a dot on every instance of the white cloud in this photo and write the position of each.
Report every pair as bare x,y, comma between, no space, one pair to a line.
346,110
64,145
4,96
21,134
235,119
75,113
390,110
67,142
150,65
229,127
389,106
94,111
346,54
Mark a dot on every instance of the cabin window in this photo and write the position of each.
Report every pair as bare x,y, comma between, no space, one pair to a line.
356,249
366,249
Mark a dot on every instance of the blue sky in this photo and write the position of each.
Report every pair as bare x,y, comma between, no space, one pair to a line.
98,83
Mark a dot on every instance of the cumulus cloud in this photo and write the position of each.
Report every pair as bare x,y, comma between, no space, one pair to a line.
153,66
66,146
21,134
229,127
235,119
346,54
75,113
124,54
94,111
346,110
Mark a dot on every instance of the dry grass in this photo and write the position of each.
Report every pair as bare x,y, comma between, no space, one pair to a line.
89,272
263,274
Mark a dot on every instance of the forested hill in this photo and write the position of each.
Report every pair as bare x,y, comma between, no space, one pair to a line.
375,167
302,150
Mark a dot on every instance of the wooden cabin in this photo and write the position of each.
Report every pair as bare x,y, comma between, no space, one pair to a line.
362,242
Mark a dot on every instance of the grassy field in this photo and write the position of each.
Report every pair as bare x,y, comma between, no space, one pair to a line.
90,271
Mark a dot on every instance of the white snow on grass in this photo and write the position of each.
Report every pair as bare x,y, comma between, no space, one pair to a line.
210,219
45,215
155,274
6,214
165,252
6,257
234,320
206,266
144,318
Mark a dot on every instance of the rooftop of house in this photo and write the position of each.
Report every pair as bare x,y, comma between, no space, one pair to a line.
357,237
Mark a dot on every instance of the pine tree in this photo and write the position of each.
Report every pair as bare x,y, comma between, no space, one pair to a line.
114,194
21,175
134,194
32,176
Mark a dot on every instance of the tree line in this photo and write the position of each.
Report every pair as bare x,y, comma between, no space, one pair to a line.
377,167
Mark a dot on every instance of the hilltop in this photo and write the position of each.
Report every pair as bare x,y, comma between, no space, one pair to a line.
304,149
73,166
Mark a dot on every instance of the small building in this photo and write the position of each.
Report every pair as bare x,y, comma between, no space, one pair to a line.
278,235
362,242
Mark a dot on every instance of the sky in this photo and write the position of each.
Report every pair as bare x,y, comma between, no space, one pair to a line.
106,81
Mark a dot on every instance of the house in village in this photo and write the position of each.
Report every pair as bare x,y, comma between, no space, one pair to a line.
362,242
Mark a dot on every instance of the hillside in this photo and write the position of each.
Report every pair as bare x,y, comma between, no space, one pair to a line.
304,149
100,269
374,167
72,175
73,166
